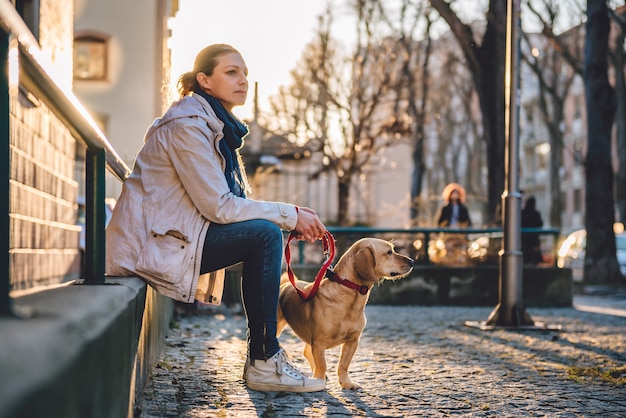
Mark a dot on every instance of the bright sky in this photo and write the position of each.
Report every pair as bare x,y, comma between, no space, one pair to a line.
270,34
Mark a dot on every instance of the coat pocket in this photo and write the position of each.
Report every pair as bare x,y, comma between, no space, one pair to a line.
165,255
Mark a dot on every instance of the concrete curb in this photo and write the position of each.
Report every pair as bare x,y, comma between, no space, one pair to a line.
81,351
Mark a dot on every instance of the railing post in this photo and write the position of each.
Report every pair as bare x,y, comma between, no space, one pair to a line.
94,216
426,245
555,247
5,132
301,251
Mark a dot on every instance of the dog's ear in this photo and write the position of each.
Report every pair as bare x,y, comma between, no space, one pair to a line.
364,264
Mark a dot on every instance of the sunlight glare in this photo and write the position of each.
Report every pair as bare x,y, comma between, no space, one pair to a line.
266,33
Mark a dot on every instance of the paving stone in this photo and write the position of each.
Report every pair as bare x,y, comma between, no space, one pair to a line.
412,361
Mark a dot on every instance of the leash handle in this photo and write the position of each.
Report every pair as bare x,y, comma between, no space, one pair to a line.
329,249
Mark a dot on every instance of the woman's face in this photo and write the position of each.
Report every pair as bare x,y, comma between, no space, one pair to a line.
229,81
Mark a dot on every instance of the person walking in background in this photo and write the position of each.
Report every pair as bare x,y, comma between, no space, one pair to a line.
531,244
184,215
454,214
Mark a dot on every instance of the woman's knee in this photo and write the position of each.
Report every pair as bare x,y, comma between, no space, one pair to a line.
268,230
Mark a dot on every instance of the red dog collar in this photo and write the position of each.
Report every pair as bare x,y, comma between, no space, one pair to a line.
334,277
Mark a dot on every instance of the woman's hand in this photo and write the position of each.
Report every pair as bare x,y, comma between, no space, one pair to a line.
309,227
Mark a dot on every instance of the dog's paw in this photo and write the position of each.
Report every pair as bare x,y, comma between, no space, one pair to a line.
348,384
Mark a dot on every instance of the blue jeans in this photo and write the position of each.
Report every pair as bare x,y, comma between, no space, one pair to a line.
258,244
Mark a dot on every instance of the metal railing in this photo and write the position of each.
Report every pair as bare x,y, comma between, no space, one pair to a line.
425,235
100,154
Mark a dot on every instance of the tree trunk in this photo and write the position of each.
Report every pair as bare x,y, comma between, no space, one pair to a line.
417,177
556,205
600,260
491,93
620,89
551,106
556,156
343,199
418,114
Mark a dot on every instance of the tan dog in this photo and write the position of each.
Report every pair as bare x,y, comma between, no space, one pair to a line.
336,314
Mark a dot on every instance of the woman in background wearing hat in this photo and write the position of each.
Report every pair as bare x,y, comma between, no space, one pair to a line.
454,214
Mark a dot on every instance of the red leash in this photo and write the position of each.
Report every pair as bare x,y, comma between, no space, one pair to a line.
329,250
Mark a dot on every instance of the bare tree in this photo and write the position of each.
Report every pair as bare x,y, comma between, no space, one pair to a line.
418,84
568,50
600,259
554,86
342,104
457,149
413,85
617,58
485,58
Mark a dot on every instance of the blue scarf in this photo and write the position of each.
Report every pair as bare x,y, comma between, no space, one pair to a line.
234,131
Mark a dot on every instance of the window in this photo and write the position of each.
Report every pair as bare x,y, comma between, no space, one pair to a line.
90,57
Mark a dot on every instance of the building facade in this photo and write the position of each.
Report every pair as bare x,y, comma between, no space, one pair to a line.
380,196
122,68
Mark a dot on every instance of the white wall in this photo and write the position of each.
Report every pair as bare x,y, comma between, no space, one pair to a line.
131,97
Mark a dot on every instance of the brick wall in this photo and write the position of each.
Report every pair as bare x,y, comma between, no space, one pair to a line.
43,189
43,192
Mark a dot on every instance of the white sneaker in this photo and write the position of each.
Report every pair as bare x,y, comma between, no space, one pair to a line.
277,374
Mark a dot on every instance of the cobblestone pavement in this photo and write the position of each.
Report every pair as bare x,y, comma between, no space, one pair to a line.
412,361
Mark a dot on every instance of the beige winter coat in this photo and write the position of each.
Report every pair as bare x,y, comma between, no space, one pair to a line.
176,189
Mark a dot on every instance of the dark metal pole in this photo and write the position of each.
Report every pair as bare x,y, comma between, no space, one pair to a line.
94,216
5,132
510,310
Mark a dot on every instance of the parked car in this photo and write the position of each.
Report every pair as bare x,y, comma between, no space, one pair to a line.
572,252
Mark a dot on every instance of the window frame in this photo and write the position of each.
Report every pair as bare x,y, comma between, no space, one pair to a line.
96,43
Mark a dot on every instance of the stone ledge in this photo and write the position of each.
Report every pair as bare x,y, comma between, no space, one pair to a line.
85,352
